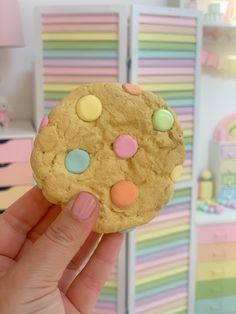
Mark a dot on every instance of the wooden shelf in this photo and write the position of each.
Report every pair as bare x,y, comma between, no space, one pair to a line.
228,216
18,129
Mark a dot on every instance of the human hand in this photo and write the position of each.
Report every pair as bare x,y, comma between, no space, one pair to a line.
42,249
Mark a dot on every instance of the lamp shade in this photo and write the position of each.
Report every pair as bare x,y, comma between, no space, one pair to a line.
11,34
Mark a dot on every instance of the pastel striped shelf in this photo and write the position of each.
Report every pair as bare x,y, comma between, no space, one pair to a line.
80,44
164,60
108,300
162,259
75,46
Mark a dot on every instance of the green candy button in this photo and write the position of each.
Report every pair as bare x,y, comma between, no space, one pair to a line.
162,120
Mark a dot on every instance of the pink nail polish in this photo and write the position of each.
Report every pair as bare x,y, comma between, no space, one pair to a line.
84,206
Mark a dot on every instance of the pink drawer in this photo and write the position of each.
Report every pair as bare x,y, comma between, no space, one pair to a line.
217,234
16,174
228,151
15,150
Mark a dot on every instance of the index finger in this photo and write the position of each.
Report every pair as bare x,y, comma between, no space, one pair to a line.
19,219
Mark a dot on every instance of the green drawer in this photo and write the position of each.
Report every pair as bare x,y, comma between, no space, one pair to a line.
216,288
228,179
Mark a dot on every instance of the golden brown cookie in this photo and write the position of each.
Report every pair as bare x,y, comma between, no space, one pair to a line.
120,143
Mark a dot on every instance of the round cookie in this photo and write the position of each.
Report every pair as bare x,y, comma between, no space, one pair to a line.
120,143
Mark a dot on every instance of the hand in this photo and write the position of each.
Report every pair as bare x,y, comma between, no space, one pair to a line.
42,251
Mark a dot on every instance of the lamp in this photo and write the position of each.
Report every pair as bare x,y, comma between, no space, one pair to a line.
11,34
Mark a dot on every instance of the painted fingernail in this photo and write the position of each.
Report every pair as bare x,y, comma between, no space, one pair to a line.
84,206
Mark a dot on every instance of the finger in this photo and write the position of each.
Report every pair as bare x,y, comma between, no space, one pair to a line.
79,261
88,284
80,258
5,264
38,230
19,219
52,252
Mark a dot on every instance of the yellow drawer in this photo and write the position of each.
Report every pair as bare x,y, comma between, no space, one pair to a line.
10,195
228,166
211,271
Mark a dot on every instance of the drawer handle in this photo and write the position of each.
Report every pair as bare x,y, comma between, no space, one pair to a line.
219,253
216,289
4,188
216,307
5,165
218,272
220,236
3,141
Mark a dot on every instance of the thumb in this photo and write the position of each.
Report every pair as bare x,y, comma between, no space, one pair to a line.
53,251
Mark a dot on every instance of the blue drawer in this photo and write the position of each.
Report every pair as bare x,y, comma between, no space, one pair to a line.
228,193
216,306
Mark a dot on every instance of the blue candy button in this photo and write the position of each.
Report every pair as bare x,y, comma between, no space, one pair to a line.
77,161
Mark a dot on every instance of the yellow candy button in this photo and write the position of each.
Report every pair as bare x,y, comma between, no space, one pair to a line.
176,173
89,108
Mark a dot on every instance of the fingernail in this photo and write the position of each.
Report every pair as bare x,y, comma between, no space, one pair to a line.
84,206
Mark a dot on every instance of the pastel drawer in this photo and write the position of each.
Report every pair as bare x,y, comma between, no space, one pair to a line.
228,179
228,166
218,270
217,234
16,174
228,151
216,288
216,305
10,195
228,193
18,150
216,252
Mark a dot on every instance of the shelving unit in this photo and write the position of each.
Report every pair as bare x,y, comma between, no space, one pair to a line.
16,142
18,129
228,216
229,25
215,262
157,283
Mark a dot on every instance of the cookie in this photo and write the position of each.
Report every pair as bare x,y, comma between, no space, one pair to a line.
120,143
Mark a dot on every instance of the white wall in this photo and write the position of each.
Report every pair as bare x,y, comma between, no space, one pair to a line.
218,96
218,99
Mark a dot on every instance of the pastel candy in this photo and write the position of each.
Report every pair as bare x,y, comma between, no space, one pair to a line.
132,89
125,146
176,173
77,161
124,194
162,120
43,123
89,108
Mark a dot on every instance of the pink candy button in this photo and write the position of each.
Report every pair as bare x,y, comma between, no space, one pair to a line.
132,89
125,146
43,123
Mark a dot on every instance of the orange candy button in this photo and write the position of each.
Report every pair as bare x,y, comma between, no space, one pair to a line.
132,89
124,194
